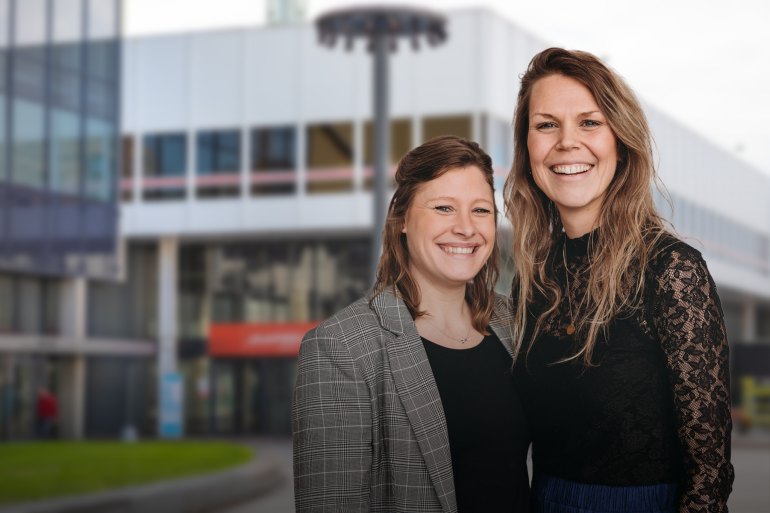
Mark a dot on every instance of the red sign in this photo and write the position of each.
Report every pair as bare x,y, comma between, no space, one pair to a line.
258,339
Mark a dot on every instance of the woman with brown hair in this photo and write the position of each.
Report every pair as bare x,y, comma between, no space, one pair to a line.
404,400
623,362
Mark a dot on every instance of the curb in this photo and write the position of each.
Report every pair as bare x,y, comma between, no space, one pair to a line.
198,494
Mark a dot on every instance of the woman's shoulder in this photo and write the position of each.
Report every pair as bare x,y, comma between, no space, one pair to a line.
674,260
346,323
669,250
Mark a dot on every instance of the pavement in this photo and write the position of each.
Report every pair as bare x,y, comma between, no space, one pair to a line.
280,499
750,457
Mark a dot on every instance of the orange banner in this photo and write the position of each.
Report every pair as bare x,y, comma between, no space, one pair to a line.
258,339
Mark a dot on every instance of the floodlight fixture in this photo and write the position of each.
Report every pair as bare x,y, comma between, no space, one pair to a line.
381,27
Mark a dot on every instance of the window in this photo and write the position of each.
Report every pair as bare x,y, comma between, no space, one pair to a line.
457,125
127,168
165,156
400,144
218,153
400,140
273,160
330,157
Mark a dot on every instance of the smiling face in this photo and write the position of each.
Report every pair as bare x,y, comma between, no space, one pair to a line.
572,150
450,228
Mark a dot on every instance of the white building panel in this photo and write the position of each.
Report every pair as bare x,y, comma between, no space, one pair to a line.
217,71
447,75
329,80
162,82
273,77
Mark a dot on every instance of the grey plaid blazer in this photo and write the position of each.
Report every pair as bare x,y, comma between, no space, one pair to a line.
368,427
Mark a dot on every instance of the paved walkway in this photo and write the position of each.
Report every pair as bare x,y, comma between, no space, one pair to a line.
750,456
281,498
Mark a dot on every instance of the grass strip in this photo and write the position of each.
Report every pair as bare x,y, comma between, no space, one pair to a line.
33,471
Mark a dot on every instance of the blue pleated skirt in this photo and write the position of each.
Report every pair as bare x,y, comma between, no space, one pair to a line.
556,495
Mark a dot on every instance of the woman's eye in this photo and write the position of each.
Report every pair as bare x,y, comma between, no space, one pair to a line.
545,125
482,211
443,209
591,123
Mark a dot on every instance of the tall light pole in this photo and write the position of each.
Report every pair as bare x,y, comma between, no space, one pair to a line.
381,26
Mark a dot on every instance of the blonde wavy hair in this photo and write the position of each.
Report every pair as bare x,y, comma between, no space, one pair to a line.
631,226
421,165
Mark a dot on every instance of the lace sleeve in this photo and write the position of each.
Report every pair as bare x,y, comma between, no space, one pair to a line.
689,321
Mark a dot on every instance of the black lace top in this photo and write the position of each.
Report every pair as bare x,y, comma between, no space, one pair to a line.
655,408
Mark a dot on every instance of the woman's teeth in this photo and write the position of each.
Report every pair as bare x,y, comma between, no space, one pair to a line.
461,251
571,170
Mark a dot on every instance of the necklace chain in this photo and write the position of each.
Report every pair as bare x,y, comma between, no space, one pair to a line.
462,341
571,327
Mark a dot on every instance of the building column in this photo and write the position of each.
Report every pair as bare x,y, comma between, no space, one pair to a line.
168,248
749,321
72,377
72,388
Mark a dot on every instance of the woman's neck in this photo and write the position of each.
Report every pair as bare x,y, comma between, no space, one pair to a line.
577,224
444,302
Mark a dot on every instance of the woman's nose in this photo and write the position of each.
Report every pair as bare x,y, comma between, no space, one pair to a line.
464,225
568,138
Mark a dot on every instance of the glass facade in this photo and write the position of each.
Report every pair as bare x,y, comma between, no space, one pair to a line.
273,150
20,378
165,156
270,281
330,157
460,126
59,107
29,305
717,236
257,282
127,309
218,153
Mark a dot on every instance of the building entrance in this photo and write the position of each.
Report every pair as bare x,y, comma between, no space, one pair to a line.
21,377
243,396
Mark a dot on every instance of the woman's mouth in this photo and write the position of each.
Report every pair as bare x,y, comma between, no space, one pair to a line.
571,169
459,250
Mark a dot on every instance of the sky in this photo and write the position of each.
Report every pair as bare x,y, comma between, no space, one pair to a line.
705,63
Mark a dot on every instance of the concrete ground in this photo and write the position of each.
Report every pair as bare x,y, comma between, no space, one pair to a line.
750,457
281,498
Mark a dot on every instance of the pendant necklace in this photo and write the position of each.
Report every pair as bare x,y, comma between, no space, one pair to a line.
463,341
571,327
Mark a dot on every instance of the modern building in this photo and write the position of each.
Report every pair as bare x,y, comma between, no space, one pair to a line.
246,183
60,80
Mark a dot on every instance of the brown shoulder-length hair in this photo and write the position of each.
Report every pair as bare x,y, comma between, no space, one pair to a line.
631,226
421,165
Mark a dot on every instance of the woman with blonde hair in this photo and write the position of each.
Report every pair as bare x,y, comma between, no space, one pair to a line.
623,357
405,400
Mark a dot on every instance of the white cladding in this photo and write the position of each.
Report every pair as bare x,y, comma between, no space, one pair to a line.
278,75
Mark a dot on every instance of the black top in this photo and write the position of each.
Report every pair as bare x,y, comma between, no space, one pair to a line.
488,433
654,408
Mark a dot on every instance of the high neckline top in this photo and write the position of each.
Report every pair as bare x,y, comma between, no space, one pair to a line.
654,406
488,432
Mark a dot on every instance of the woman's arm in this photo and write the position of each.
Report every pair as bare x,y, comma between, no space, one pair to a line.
689,321
331,429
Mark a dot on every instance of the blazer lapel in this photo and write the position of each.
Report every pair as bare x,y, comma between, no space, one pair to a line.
500,323
419,394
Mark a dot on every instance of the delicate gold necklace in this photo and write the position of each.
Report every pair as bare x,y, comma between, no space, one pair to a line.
571,327
463,341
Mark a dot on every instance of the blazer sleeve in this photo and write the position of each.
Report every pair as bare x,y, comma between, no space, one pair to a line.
331,425
690,325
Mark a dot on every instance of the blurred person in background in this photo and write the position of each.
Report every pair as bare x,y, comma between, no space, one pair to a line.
404,400
623,369
47,413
